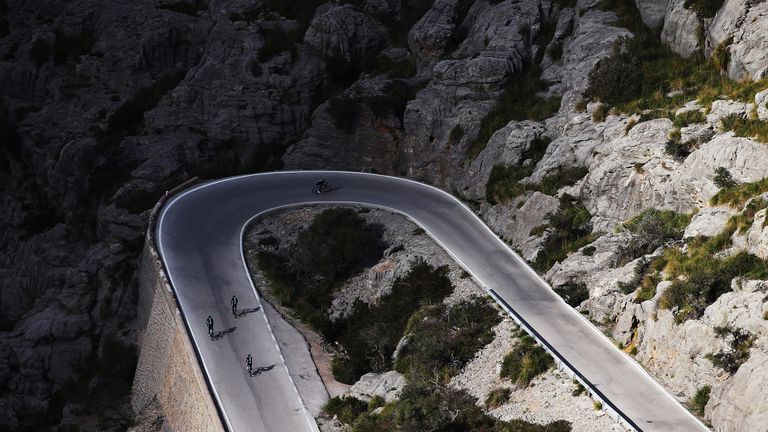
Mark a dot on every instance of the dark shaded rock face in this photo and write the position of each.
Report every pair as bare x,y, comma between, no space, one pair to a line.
104,105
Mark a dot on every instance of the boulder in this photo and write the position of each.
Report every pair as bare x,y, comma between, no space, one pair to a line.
708,222
681,26
652,12
387,385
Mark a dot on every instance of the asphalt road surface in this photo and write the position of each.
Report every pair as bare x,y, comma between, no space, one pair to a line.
200,239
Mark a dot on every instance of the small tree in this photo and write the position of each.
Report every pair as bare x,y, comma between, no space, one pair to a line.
616,78
723,178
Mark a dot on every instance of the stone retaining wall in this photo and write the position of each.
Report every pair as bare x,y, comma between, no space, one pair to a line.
168,370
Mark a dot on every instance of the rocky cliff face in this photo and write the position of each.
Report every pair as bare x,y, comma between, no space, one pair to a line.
106,105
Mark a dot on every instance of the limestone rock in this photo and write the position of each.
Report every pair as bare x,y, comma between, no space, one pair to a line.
740,403
387,385
724,108
681,26
532,214
506,147
652,12
708,222
761,101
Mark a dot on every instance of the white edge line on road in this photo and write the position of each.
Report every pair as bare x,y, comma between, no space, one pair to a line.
498,239
309,417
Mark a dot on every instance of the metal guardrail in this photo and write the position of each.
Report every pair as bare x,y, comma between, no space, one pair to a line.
564,364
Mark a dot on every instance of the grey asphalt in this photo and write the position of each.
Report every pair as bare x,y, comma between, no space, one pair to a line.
200,237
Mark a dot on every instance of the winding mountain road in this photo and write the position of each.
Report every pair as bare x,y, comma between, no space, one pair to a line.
200,233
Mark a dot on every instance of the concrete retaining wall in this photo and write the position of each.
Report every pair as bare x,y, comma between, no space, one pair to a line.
168,370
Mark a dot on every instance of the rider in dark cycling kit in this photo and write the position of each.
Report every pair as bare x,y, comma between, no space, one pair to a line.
321,184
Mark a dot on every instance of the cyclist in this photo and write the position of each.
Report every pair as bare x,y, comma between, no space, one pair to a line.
322,185
234,305
249,364
209,324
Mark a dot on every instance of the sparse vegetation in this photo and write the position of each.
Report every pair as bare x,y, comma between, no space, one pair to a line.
428,406
561,177
615,79
370,333
384,65
127,119
689,117
457,133
337,245
442,340
497,397
723,178
699,278
700,400
346,408
738,195
504,181
574,293
739,345
526,361
571,230
747,127
518,102
650,230
588,251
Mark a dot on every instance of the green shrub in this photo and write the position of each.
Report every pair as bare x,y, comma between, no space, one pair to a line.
344,112
497,397
738,353
370,333
706,278
346,408
398,27
571,230
676,149
561,177
338,244
588,251
651,229
504,181
723,178
689,117
518,102
526,361
574,293
615,79
443,340
700,400
747,127
738,195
